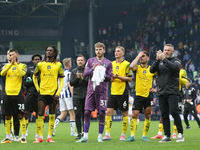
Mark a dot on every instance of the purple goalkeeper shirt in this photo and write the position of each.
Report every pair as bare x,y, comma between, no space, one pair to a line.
103,87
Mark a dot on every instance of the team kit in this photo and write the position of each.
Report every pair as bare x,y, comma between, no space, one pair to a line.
84,89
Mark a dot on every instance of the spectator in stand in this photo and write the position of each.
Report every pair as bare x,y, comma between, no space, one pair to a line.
191,67
189,18
197,57
194,73
170,34
180,45
176,52
191,32
175,32
187,65
164,42
120,27
185,47
186,57
184,17
104,32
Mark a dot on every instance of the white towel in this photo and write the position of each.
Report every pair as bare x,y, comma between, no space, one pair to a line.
98,76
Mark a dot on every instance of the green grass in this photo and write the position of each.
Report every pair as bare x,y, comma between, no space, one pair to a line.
65,141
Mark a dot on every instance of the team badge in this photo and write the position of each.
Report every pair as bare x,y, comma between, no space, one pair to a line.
144,71
48,67
104,65
117,67
14,68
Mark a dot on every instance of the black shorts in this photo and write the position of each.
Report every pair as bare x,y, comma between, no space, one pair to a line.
2,105
31,102
14,105
47,99
142,102
118,102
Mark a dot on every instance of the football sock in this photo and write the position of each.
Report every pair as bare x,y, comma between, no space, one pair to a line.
16,125
7,126
160,129
57,121
125,125
36,122
40,126
86,121
51,123
146,126
26,123
108,124
101,121
72,125
175,129
133,126
23,127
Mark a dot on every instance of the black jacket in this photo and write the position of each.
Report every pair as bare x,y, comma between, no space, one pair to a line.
28,81
189,94
168,75
79,86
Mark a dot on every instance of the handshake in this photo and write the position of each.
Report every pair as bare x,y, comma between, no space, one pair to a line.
160,55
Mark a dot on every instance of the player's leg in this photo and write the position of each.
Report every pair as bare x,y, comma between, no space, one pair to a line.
160,130
124,124
174,131
185,114
27,114
16,127
101,124
164,107
41,109
193,112
70,106
147,122
108,123
173,108
8,129
78,110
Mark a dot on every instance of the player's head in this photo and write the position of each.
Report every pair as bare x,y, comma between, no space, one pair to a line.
36,58
188,83
51,52
119,52
168,50
80,60
13,54
67,63
99,49
145,57
8,56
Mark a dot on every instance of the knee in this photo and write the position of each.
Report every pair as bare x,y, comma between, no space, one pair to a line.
124,113
41,113
87,114
101,114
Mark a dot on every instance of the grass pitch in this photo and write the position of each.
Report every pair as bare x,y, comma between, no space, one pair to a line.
65,141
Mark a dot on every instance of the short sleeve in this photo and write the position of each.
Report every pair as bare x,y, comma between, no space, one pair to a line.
60,72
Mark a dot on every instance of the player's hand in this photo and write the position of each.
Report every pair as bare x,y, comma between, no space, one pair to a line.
97,64
158,55
152,90
184,100
56,99
140,54
78,75
115,76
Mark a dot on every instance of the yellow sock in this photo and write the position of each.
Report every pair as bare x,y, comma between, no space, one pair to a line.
12,126
22,125
26,123
51,123
108,123
175,129
125,124
160,127
36,122
133,126
8,126
146,126
40,125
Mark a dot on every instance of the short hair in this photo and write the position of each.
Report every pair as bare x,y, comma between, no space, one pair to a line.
36,55
147,53
13,50
189,80
99,44
80,56
170,45
66,61
122,48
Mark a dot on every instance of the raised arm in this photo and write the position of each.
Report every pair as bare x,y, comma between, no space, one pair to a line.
133,64
5,69
21,71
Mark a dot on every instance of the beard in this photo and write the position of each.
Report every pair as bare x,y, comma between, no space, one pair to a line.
168,56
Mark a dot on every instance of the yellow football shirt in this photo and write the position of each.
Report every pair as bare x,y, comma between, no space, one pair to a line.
144,81
119,87
182,78
49,74
13,84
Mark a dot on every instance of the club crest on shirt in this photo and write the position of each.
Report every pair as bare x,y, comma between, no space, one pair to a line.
14,68
104,65
144,71
48,67
117,67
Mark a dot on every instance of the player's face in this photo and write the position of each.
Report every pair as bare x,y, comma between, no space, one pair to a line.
13,55
188,84
168,51
144,59
119,53
99,51
36,60
80,61
50,52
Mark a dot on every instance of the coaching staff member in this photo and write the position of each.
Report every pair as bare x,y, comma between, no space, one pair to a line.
79,84
168,68
189,95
